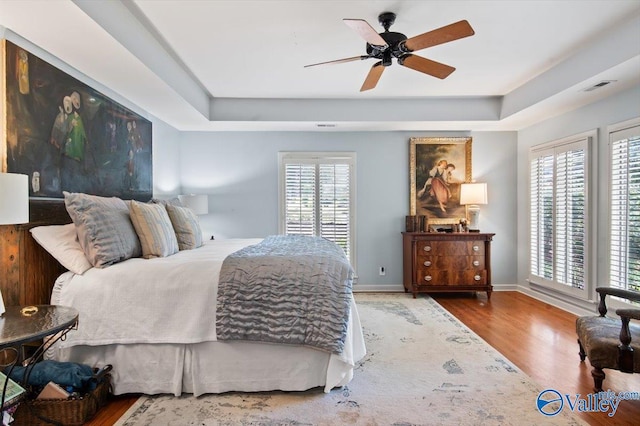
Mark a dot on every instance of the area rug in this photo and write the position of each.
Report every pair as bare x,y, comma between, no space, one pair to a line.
423,367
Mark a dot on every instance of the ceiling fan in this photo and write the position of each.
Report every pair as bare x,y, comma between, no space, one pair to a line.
389,44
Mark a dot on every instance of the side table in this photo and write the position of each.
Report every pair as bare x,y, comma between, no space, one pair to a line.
24,324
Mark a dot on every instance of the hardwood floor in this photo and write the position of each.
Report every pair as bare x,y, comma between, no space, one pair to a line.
541,340
538,338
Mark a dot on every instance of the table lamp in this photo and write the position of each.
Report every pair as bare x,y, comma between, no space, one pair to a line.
471,195
199,203
14,204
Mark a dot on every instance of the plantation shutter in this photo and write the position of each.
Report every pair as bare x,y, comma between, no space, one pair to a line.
570,217
542,216
624,252
318,196
558,216
300,199
335,203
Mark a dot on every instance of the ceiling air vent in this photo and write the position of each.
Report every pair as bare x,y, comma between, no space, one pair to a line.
599,85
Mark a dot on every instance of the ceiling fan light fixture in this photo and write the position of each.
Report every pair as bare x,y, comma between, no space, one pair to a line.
387,45
386,58
387,19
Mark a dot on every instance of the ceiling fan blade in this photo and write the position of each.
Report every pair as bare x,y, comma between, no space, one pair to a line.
441,35
426,66
340,61
365,31
372,78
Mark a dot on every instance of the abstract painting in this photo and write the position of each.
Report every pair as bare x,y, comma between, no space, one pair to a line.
67,136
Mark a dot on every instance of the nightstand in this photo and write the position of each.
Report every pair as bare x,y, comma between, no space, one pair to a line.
24,324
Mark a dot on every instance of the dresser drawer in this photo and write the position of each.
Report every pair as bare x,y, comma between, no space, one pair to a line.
451,277
450,262
450,248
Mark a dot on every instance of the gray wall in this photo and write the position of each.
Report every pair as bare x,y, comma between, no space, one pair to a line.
239,171
596,116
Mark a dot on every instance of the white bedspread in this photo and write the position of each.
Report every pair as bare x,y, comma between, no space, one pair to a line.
162,300
155,321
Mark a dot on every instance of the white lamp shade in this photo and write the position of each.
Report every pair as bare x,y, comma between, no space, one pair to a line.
14,199
473,193
199,203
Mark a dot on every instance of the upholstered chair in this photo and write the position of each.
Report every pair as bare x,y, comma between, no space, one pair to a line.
612,343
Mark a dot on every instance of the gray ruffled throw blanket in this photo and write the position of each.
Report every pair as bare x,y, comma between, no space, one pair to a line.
288,289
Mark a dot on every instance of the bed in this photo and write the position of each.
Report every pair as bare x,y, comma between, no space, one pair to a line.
154,319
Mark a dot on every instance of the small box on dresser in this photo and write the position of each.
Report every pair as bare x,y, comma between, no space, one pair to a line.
446,262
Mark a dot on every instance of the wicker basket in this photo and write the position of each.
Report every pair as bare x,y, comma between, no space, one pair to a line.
63,411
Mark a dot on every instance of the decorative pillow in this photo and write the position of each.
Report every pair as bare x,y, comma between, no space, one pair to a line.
61,241
104,228
154,229
187,227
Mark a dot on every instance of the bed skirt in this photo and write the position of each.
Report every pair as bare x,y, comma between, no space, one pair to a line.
216,367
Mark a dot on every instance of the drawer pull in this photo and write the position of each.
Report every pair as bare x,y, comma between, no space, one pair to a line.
476,248
427,248
476,263
427,278
477,277
427,263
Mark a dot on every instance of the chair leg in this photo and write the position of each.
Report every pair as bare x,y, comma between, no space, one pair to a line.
625,351
582,353
598,378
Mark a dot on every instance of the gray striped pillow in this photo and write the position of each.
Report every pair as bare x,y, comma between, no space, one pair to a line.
104,228
154,229
187,227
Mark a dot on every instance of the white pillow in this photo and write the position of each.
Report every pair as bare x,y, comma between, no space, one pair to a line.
61,241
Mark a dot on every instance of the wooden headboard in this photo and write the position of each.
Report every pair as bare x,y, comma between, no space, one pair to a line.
27,271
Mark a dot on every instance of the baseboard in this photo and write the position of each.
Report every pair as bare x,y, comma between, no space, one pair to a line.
368,288
588,309
505,287
395,288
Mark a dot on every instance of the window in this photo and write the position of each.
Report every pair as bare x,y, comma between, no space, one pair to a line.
317,194
624,206
558,215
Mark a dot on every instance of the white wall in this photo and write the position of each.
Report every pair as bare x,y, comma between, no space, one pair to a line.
239,171
596,116
166,159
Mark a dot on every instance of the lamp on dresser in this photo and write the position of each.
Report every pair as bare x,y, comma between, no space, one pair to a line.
14,205
472,195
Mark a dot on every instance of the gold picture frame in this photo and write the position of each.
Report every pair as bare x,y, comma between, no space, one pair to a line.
437,167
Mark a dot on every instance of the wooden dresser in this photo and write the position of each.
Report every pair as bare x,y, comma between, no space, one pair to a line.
446,262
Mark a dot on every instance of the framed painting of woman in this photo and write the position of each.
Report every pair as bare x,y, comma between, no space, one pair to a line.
437,167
